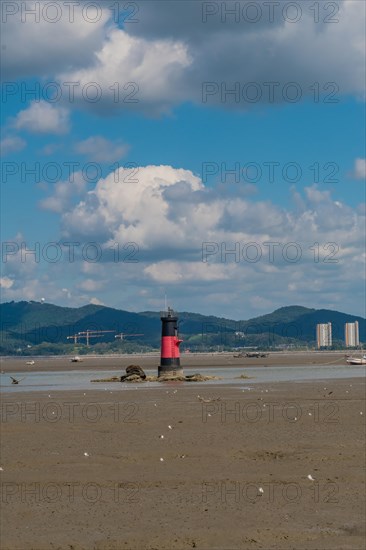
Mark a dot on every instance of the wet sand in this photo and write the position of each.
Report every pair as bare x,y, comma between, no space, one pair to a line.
191,360
234,473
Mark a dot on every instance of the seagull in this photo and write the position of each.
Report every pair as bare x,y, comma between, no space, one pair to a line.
311,477
208,400
170,428
86,454
261,490
161,460
161,437
15,381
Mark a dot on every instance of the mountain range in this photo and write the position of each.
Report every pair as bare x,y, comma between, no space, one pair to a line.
37,327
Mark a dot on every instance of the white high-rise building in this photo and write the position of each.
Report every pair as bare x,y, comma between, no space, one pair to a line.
351,334
324,335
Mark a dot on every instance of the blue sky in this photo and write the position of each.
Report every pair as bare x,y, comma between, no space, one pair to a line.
301,165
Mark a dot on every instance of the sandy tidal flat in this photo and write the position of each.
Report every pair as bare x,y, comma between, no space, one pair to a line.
165,469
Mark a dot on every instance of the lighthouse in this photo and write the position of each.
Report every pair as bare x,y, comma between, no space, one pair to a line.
170,357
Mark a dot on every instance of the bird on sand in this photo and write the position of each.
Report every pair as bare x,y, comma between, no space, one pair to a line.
15,381
208,400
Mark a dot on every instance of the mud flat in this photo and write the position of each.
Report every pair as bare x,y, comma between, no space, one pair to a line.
90,470
189,360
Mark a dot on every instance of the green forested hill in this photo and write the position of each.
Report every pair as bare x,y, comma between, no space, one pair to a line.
43,328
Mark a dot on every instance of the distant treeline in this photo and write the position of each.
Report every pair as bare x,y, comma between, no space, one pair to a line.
42,328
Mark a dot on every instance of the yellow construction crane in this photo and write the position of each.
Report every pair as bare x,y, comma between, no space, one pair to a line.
87,334
122,335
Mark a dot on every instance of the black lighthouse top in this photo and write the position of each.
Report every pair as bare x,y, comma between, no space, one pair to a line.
168,315
169,323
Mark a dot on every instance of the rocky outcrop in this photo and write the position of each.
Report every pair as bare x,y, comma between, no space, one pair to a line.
200,378
134,373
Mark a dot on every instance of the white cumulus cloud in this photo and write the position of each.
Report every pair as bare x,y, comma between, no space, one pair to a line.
169,212
360,169
11,144
6,282
56,34
64,192
172,52
224,254
133,73
43,118
96,302
172,56
101,149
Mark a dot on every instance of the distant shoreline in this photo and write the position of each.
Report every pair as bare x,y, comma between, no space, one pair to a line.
196,353
150,361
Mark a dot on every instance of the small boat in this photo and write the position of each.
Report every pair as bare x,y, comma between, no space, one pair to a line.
30,362
357,360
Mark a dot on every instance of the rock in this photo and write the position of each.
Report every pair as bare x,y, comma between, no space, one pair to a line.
151,379
200,378
136,369
134,373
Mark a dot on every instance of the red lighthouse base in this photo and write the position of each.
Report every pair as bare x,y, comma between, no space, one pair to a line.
170,356
170,371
